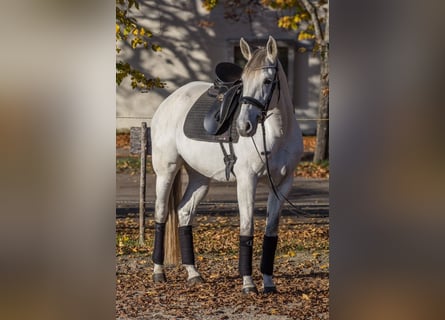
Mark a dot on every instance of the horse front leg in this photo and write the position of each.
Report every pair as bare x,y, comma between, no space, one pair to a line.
270,239
246,188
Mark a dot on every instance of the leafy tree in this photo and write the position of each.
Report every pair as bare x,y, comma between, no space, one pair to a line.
129,32
311,19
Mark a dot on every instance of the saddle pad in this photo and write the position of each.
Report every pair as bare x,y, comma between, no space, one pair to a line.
194,127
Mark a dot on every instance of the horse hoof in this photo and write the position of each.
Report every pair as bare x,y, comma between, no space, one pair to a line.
195,280
250,290
269,290
159,278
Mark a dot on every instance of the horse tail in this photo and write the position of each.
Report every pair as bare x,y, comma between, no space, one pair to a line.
171,240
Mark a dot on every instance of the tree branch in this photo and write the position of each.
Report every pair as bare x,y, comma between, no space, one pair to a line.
315,21
326,33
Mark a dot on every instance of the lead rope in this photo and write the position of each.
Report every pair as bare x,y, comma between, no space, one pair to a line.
276,192
266,153
264,116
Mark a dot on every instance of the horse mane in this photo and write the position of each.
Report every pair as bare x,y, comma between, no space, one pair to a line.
256,61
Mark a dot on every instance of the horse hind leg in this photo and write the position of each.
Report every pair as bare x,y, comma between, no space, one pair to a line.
165,178
196,190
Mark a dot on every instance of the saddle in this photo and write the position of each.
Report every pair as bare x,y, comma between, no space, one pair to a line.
211,117
227,91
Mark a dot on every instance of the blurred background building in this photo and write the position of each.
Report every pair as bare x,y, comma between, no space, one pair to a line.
194,40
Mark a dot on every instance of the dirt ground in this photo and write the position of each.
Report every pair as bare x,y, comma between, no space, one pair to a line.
301,273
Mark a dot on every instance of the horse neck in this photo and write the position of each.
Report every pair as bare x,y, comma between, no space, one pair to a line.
284,105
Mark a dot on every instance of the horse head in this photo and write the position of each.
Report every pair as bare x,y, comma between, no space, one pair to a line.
260,78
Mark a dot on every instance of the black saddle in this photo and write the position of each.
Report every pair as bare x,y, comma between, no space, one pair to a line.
228,72
211,117
217,120
227,90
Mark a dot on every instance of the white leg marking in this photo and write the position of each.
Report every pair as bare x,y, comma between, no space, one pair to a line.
191,270
158,268
248,282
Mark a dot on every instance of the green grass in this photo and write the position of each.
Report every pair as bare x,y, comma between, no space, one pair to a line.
132,165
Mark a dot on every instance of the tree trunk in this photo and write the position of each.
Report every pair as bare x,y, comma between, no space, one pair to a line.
322,40
322,143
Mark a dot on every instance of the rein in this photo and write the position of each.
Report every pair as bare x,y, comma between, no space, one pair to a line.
276,192
230,158
264,109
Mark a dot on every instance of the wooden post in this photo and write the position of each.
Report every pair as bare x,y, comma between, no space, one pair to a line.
142,181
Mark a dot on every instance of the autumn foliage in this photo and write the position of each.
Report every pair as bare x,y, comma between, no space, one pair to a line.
301,273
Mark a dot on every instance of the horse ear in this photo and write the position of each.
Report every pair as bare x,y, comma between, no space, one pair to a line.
245,49
272,50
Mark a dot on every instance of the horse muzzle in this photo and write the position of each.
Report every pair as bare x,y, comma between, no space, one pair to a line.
247,125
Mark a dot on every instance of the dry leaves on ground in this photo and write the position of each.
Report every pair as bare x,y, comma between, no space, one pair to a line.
301,274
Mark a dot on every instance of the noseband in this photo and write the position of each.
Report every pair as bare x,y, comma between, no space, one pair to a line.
264,107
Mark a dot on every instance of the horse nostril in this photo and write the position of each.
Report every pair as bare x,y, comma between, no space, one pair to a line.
248,126
245,128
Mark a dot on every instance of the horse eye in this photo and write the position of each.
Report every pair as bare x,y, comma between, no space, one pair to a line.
267,81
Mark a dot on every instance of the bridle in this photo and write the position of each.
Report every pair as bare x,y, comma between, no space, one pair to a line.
264,107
